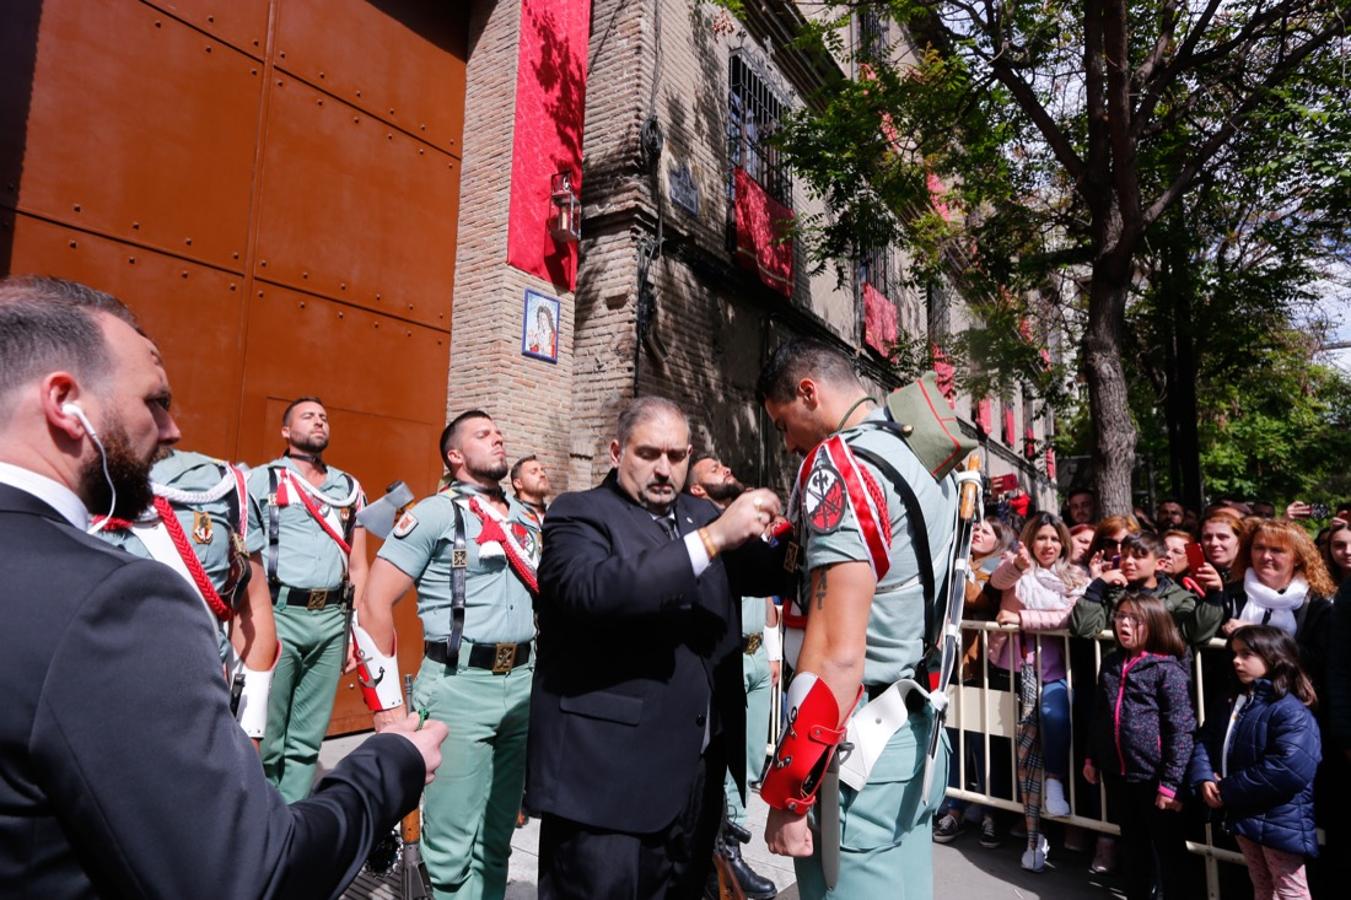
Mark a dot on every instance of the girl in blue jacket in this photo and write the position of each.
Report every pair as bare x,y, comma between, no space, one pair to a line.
1259,768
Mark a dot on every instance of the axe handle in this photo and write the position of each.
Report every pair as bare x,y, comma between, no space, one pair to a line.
970,490
411,826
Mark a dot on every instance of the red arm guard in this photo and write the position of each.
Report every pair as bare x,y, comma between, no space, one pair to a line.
810,737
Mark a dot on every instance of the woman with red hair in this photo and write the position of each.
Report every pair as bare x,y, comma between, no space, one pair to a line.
1280,580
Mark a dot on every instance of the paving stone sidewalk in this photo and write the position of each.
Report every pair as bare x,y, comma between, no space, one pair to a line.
961,868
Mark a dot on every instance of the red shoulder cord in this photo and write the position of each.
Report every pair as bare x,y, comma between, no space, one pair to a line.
194,565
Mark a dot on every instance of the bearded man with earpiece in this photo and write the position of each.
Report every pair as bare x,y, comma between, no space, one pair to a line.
125,775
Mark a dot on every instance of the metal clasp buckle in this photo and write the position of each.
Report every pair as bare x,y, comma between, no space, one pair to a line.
318,600
459,559
753,643
505,659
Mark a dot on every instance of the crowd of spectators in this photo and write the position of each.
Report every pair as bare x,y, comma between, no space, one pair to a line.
1223,693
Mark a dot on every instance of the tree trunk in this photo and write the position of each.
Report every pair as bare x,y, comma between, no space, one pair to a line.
1180,374
1108,405
1186,448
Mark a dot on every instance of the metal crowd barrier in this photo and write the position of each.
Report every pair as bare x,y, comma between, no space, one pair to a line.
974,710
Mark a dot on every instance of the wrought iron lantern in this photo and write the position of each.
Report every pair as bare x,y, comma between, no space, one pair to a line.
566,222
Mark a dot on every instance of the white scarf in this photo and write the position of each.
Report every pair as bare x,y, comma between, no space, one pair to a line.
1267,606
1044,589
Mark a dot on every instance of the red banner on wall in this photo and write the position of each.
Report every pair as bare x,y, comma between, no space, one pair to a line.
985,415
880,326
550,104
946,373
762,223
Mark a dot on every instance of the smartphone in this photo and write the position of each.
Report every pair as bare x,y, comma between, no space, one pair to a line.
1195,558
1319,511
1116,562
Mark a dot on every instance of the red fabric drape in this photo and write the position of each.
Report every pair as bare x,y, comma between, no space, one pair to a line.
985,415
880,326
761,224
550,102
1009,431
947,375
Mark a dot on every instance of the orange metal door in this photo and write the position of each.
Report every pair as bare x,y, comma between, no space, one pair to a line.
273,185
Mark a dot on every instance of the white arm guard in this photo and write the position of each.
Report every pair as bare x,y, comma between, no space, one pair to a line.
377,673
773,643
251,709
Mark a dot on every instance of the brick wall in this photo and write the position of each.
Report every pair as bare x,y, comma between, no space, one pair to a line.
711,322
530,399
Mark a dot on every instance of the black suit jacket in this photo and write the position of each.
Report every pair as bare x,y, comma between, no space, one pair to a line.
122,772
634,651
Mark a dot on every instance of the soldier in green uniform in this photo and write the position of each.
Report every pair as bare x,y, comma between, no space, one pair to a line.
855,636
307,556
530,484
197,526
471,551
713,481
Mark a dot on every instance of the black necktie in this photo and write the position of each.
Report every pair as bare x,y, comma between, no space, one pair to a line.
668,523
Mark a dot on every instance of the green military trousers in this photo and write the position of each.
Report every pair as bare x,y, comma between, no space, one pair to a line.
469,810
759,690
313,650
886,840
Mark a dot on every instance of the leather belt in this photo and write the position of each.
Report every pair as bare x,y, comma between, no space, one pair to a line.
313,599
499,658
913,701
751,642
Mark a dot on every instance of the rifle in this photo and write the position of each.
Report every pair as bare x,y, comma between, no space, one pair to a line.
413,881
950,640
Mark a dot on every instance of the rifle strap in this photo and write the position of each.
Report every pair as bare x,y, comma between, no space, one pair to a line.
459,564
919,534
273,525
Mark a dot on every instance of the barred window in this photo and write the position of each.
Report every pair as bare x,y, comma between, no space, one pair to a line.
872,35
754,111
875,269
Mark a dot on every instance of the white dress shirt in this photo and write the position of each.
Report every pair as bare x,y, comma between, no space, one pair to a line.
53,493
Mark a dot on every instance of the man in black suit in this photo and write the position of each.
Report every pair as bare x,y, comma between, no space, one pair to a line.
638,691
124,772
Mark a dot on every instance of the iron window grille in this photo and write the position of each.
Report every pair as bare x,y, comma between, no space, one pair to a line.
754,112
875,268
872,35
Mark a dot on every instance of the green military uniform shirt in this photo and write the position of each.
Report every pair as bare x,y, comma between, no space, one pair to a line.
212,538
498,606
752,616
832,534
307,557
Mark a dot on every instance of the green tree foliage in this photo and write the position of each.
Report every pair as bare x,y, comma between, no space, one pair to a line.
1282,431
1061,134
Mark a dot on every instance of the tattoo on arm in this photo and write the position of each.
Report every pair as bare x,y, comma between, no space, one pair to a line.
820,592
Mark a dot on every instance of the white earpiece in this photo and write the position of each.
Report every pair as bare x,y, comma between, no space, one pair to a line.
73,409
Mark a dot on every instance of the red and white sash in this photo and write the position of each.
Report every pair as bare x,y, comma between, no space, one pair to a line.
310,497
855,489
496,528
830,483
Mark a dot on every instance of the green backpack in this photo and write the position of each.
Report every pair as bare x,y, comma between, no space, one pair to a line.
929,426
